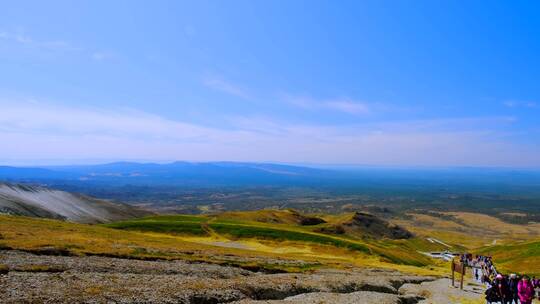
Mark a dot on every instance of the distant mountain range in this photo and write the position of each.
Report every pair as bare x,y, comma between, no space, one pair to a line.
210,174
177,173
36,201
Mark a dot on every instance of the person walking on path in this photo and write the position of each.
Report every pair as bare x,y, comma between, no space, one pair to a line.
536,285
501,287
491,295
525,290
513,289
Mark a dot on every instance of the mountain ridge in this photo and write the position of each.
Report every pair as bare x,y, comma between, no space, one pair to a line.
39,201
234,174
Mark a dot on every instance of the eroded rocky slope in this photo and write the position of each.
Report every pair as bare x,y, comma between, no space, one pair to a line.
64,279
36,201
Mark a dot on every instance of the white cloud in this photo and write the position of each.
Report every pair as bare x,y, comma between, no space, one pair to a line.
46,131
41,118
23,39
343,105
19,38
348,106
101,56
509,103
520,104
219,84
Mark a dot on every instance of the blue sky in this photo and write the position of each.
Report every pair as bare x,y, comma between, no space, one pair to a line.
428,83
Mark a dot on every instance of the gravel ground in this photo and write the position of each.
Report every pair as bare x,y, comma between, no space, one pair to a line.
364,297
59,279
16,260
441,292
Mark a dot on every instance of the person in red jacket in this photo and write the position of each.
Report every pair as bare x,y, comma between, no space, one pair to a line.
525,290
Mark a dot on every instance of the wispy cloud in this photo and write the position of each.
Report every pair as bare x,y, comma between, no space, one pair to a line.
347,106
22,38
343,105
43,118
102,56
520,104
219,84
42,130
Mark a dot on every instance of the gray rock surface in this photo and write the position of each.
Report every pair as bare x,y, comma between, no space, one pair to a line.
103,279
365,297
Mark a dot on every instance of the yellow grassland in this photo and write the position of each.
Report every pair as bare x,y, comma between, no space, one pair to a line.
36,234
470,230
467,231
514,247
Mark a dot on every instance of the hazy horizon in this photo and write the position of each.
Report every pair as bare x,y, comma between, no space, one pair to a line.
330,166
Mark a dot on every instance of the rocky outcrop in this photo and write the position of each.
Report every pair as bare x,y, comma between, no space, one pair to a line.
103,279
364,297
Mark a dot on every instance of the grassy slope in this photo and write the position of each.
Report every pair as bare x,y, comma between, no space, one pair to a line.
520,257
58,237
517,247
302,251
254,225
470,230
464,231
266,235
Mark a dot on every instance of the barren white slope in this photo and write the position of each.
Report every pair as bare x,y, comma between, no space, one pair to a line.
44,202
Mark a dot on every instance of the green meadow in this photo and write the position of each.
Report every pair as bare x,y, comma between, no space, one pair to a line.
394,251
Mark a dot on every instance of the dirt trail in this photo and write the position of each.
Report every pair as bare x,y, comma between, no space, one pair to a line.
441,292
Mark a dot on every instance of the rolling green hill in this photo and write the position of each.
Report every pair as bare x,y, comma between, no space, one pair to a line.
260,239
275,227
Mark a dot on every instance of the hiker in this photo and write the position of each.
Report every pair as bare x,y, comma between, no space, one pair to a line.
491,295
535,282
513,289
501,287
525,290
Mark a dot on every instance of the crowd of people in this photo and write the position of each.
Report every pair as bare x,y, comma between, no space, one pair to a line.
501,288
482,265
512,289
